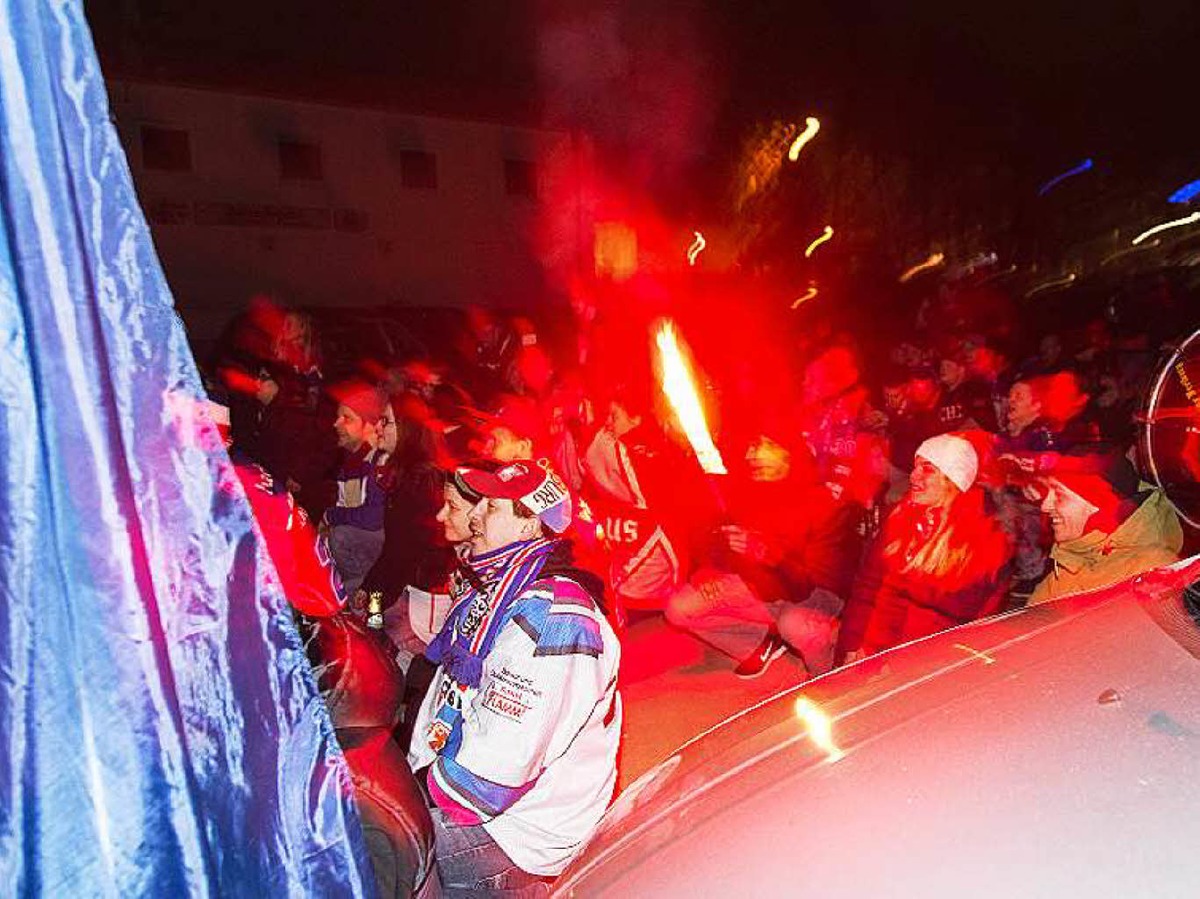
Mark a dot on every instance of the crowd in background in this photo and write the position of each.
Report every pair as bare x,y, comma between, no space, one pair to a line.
880,488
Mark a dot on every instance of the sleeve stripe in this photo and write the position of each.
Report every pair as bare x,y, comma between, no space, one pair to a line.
585,602
527,626
579,648
591,613
450,792
460,814
488,798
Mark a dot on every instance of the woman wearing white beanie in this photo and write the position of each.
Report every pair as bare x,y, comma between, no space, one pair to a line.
953,456
939,562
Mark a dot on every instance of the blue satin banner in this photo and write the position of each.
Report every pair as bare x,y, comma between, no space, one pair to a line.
160,729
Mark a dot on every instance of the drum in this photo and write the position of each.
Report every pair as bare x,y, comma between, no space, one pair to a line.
356,671
1169,428
362,687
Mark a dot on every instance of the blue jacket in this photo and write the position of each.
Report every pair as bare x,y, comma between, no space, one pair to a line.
361,499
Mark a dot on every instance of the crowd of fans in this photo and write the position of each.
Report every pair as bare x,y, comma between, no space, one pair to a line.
867,507
882,495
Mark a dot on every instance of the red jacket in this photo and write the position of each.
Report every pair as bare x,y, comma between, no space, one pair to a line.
895,600
301,558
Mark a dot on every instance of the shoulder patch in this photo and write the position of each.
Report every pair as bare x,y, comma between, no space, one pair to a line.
531,616
567,594
570,634
561,618
572,626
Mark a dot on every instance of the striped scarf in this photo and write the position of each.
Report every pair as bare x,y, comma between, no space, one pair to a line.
475,622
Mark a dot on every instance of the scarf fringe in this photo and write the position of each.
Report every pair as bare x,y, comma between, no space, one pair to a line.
450,648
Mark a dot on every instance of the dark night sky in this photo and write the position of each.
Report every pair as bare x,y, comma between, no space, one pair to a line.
1038,85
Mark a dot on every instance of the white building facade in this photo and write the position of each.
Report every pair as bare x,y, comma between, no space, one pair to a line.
342,206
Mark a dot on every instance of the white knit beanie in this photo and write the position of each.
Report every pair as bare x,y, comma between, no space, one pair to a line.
952,456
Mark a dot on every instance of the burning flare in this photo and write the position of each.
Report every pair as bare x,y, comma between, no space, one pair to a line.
811,127
825,236
680,389
696,248
819,727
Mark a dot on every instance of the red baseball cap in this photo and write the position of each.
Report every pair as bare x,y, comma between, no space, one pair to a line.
534,484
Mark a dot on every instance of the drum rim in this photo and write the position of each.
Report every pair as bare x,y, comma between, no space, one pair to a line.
1152,401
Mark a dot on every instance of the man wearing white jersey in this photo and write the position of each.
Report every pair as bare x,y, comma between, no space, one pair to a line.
517,738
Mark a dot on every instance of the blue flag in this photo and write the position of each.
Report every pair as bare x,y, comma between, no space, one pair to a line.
160,729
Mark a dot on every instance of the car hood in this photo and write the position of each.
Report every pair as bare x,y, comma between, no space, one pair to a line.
1052,751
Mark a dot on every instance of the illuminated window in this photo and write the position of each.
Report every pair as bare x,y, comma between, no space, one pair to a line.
418,170
615,250
299,161
166,149
520,178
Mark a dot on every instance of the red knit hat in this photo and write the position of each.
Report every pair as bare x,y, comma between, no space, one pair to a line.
1104,479
361,398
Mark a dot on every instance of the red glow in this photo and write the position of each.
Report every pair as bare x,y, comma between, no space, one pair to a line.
239,381
1060,395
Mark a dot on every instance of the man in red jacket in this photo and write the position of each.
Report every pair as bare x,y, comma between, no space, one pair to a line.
778,568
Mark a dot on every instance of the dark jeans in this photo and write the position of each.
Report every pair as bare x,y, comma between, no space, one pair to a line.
470,863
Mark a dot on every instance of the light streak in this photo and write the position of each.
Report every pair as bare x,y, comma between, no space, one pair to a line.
1125,252
819,727
805,297
1000,274
825,236
696,248
982,656
982,259
811,127
1056,282
1186,194
933,261
680,389
1174,223
1058,179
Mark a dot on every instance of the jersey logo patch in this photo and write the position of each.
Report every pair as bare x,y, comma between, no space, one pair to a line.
436,735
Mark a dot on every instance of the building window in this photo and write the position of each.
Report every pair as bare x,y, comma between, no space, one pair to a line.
520,178
418,169
299,161
166,149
